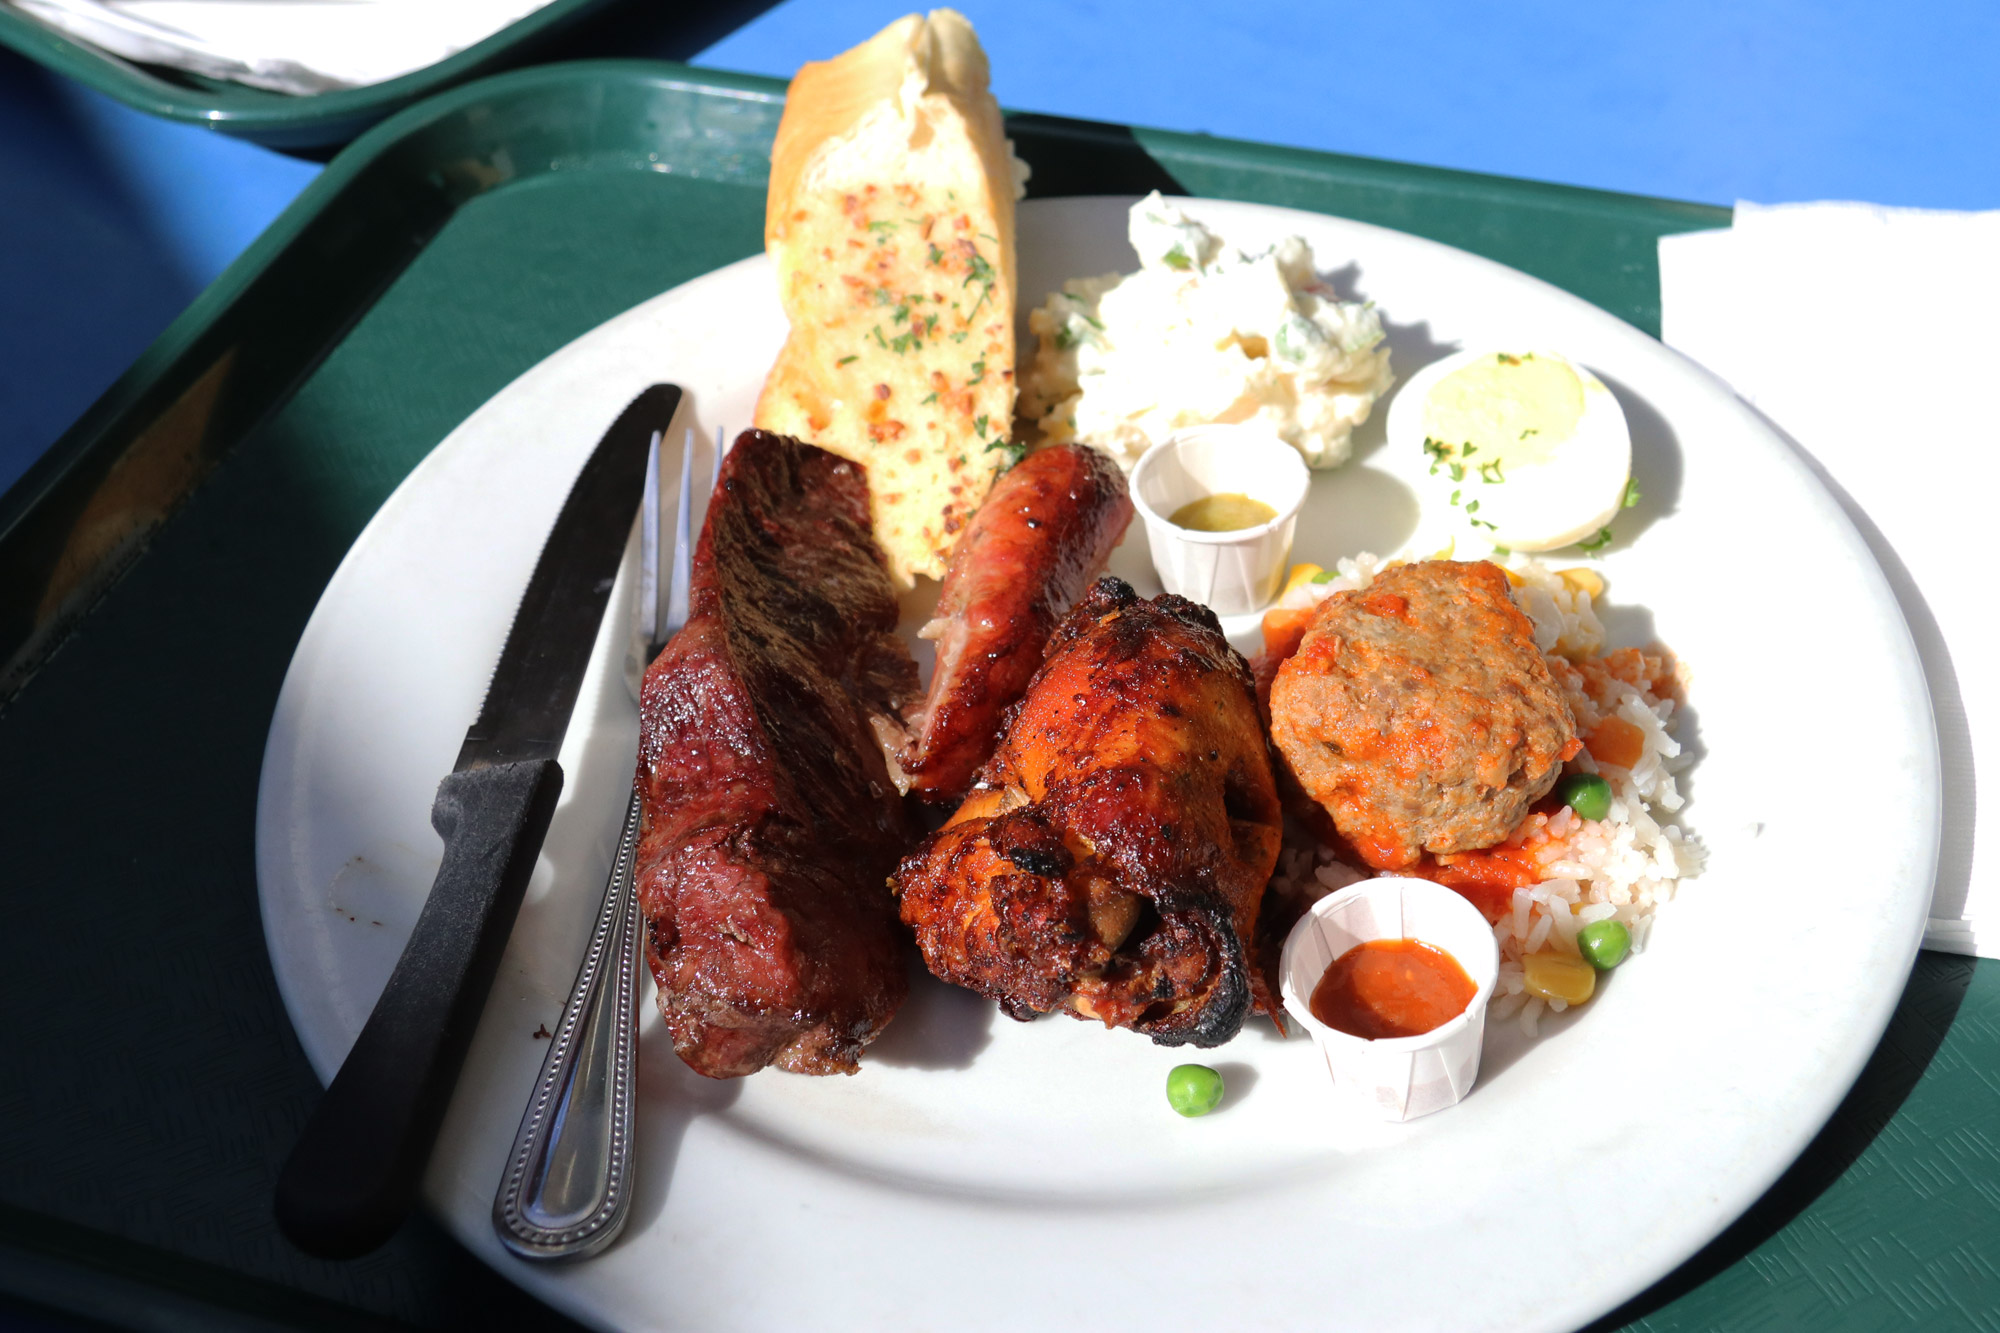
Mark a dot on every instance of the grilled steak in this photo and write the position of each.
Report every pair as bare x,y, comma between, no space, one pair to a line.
771,823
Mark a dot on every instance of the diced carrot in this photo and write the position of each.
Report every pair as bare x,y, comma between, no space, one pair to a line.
1284,627
1583,580
1300,574
1617,742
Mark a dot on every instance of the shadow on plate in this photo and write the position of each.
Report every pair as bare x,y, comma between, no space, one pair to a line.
1351,510
1505,1044
1917,1028
1354,507
1657,467
939,1027
670,1096
1238,1079
1084,157
1411,348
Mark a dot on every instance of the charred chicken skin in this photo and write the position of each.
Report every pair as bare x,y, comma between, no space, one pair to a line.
1112,857
1046,530
1419,714
770,820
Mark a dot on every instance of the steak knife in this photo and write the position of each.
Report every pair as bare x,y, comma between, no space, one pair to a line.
353,1175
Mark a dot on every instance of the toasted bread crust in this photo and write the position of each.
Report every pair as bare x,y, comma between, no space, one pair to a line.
890,221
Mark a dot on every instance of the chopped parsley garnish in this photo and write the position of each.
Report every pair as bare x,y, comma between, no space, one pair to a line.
881,226
1177,259
1490,473
1631,494
1506,360
979,425
1597,543
1454,497
1091,320
1064,338
845,359
1457,471
1469,450
979,271
978,373
1472,506
1326,576
929,400
879,338
1529,431
1438,453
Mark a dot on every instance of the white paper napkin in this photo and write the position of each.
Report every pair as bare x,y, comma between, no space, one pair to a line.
289,46
1871,336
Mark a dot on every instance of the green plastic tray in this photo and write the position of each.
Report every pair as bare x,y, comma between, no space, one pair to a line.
277,120
157,568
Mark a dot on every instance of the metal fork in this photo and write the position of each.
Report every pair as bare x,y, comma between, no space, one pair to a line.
567,1187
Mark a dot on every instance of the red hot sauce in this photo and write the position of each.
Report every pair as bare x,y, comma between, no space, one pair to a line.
1392,988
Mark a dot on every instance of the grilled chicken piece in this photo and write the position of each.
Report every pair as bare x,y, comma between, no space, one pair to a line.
1419,713
770,821
1045,531
1112,857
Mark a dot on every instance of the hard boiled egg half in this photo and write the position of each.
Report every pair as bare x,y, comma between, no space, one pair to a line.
1524,449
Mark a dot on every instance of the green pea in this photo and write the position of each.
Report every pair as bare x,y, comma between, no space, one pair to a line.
1194,1089
1604,944
1585,793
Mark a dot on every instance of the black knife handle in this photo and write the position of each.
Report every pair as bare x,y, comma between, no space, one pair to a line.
354,1172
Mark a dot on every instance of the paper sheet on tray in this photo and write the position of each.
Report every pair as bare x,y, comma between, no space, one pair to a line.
288,46
1869,336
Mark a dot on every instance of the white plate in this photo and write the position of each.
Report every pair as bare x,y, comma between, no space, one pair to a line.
985,1174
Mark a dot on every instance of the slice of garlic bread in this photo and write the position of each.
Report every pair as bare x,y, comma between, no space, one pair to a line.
891,224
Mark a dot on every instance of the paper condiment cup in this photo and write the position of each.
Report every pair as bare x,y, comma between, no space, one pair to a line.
1395,1078
1229,572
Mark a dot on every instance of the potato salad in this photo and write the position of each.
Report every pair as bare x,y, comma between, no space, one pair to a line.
1203,332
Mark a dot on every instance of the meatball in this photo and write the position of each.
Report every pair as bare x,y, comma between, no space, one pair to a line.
1419,713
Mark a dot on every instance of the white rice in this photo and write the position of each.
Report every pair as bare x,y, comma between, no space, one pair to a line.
1622,867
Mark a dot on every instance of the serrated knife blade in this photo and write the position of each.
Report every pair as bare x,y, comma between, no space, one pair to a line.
353,1175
